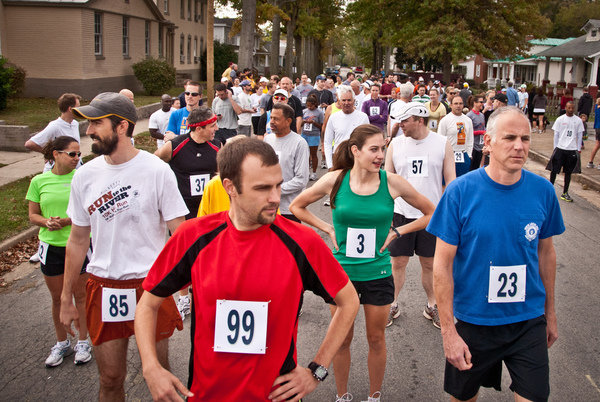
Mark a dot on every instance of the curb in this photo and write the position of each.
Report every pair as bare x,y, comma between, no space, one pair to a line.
24,235
580,178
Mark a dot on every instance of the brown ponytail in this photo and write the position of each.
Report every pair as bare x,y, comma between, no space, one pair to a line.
58,144
343,159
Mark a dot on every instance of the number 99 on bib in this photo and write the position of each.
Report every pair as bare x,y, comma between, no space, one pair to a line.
241,327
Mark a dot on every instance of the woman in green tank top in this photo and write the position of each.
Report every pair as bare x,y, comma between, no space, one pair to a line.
362,202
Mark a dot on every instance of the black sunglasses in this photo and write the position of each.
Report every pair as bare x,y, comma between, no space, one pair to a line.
192,93
72,154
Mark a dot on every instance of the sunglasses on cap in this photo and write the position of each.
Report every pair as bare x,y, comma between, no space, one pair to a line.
279,97
72,154
191,93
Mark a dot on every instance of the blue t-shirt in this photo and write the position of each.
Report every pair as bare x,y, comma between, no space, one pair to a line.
178,121
496,228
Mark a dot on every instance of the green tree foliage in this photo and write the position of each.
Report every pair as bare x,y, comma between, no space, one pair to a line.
6,79
572,17
451,30
223,54
156,75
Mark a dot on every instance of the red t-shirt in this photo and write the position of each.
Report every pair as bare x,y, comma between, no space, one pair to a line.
386,89
275,263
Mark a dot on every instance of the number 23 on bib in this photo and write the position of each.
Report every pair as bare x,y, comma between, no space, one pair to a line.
507,284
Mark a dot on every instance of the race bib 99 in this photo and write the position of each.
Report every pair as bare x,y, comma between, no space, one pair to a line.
241,327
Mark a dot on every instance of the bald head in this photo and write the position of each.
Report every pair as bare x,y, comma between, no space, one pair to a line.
127,93
355,85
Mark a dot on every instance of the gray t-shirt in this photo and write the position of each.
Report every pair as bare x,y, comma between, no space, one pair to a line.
264,101
229,118
308,128
293,153
304,90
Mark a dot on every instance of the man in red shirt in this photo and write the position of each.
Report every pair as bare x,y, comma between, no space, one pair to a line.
249,268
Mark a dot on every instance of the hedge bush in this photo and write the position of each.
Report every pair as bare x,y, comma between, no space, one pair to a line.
6,79
156,75
223,54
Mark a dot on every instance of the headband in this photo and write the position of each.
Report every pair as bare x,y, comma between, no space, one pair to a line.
204,123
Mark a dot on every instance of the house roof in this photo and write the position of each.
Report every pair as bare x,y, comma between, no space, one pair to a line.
577,47
549,41
591,24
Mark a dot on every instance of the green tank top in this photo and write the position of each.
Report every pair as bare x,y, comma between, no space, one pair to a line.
362,223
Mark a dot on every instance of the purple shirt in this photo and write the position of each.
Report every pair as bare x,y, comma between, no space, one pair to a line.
377,110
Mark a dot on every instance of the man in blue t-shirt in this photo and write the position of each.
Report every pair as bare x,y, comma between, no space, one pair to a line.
178,120
495,267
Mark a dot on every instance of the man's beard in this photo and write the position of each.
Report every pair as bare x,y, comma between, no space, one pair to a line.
265,219
105,147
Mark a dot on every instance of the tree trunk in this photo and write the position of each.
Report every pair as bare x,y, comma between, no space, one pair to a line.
447,66
300,62
210,52
246,51
375,59
289,46
275,38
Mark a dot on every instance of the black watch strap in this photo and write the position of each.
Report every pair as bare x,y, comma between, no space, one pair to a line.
318,371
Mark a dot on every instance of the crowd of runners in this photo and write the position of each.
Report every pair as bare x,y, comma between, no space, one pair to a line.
410,168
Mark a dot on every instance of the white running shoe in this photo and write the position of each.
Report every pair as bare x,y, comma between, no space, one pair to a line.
57,354
83,353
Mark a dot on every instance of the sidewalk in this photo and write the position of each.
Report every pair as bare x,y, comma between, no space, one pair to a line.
23,164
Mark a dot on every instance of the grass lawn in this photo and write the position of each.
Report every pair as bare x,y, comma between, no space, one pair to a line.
14,209
38,112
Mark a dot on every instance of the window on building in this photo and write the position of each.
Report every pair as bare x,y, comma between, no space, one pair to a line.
196,16
478,70
201,45
594,33
189,9
125,36
189,49
160,41
195,49
203,12
166,7
98,34
181,49
182,9
147,38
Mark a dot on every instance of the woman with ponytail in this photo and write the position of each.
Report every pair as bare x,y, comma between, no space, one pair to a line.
48,197
362,203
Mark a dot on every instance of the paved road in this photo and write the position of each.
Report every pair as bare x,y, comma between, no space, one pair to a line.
415,357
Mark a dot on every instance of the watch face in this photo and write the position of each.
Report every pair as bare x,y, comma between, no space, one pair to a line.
321,372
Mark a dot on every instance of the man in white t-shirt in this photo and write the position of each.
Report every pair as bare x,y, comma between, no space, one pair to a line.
405,95
340,125
458,128
568,131
159,120
245,117
425,159
64,125
127,214
359,95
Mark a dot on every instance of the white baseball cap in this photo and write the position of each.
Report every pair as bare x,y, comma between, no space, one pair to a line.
410,109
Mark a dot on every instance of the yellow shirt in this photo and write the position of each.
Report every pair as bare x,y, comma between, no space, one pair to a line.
435,116
215,198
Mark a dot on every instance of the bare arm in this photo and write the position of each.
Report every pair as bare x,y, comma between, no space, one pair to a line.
449,167
299,124
400,187
236,108
173,224
155,134
547,261
165,152
162,384
77,247
33,146
299,206
300,381
455,349
52,223
389,159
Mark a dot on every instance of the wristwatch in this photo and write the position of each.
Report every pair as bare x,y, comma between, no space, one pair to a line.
318,371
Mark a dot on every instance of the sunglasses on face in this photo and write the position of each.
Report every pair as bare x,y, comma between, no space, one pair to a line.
279,98
72,154
191,93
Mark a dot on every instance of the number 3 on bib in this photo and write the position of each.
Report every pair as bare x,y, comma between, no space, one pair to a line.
197,183
507,284
360,243
241,327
